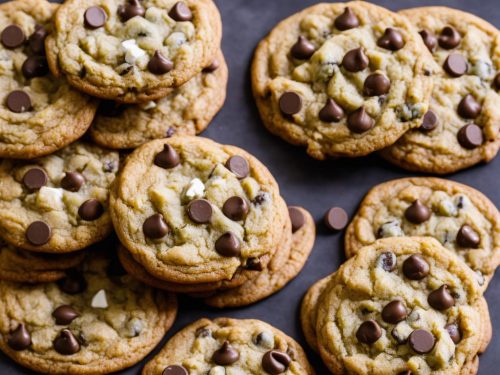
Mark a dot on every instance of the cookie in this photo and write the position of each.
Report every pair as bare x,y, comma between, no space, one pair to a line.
187,110
461,218
193,211
57,203
39,114
342,79
463,123
401,304
131,51
230,346
96,320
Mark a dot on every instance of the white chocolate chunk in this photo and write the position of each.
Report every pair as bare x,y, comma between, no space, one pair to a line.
147,105
50,198
132,51
100,301
195,189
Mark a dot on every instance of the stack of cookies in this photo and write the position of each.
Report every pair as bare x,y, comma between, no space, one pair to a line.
350,79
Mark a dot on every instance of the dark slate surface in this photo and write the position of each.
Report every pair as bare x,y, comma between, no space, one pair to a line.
303,181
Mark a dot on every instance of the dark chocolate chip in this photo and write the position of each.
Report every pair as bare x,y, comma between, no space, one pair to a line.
180,12
131,9
470,136
159,64
360,121
391,40
66,343
417,213
203,332
18,101
456,65
155,227
415,267
73,283
429,39
469,107
355,60
91,210
394,312
346,20
175,370
336,219
368,332
19,339
95,17
168,158
200,211
422,341
376,84
228,245
35,178
38,233
407,372
72,181
389,261
254,264
454,332
449,38
35,66
235,208
212,67
429,122
290,103
239,166
170,132
302,49
12,37
226,355
275,362
441,299
65,314
37,40
297,218
468,237
331,112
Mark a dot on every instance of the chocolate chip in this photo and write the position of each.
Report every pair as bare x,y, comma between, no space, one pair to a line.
38,233
470,136
203,332
12,37
355,60
235,208
65,314
407,372
19,339
449,38
376,84
91,210
394,312
418,213
441,299
388,261
73,283
415,267
66,343
391,40
454,332
159,64
336,219
346,20
200,211
180,12
226,355
360,121
212,67
170,132
35,66
37,40
228,245
331,112
35,178
429,39
72,181
302,49
254,264
239,166
275,362
155,227
368,332
297,217
456,65
290,103
95,17
469,107
468,237
429,122
422,341
168,158
18,101
496,82
175,370
130,10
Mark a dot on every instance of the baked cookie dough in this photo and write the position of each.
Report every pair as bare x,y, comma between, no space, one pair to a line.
57,203
93,321
230,346
133,51
187,110
461,218
342,79
39,114
463,123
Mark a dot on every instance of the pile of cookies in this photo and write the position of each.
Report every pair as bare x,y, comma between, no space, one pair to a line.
347,79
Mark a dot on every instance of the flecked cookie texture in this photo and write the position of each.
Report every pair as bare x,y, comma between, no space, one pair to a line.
39,113
93,322
401,304
230,346
461,218
193,211
342,79
133,51
57,203
187,110
463,123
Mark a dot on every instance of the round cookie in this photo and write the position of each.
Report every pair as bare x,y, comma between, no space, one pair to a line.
458,216
401,304
192,211
133,52
39,113
57,203
229,345
342,79
187,110
94,321
463,123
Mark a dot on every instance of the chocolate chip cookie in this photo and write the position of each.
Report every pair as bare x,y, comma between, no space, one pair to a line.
401,304
461,218
342,79
462,126
39,113
231,346
57,203
94,321
186,110
133,51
